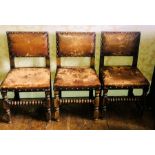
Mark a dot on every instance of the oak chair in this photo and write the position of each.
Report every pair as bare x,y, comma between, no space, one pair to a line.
27,79
121,77
76,44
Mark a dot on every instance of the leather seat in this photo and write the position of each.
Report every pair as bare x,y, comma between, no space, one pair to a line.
72,77
27,78
123,77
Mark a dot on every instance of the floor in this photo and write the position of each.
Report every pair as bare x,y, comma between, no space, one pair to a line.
78,117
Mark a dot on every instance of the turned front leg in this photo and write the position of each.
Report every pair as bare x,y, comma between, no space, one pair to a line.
96,104
56,105
6,106
48,105
104,103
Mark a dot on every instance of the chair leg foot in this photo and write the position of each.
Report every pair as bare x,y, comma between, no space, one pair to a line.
48,115
48,105
8,116
56,115
104,112
96,104
6,106
96,113
104,104
56,106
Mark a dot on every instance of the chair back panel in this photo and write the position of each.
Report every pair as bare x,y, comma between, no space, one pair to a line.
120,43
28,44
75,44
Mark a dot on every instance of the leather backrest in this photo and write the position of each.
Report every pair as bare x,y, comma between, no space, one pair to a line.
28,44
75,44
120,43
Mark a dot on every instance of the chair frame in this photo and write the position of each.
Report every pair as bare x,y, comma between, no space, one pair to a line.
58,100
105,99
45,102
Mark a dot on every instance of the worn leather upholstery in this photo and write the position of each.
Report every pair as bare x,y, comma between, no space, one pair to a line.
28,43
123,77
75,44
27,78
120,43
69,77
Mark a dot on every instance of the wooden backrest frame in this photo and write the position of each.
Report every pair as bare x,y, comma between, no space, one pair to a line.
59,55
134,54
12,56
